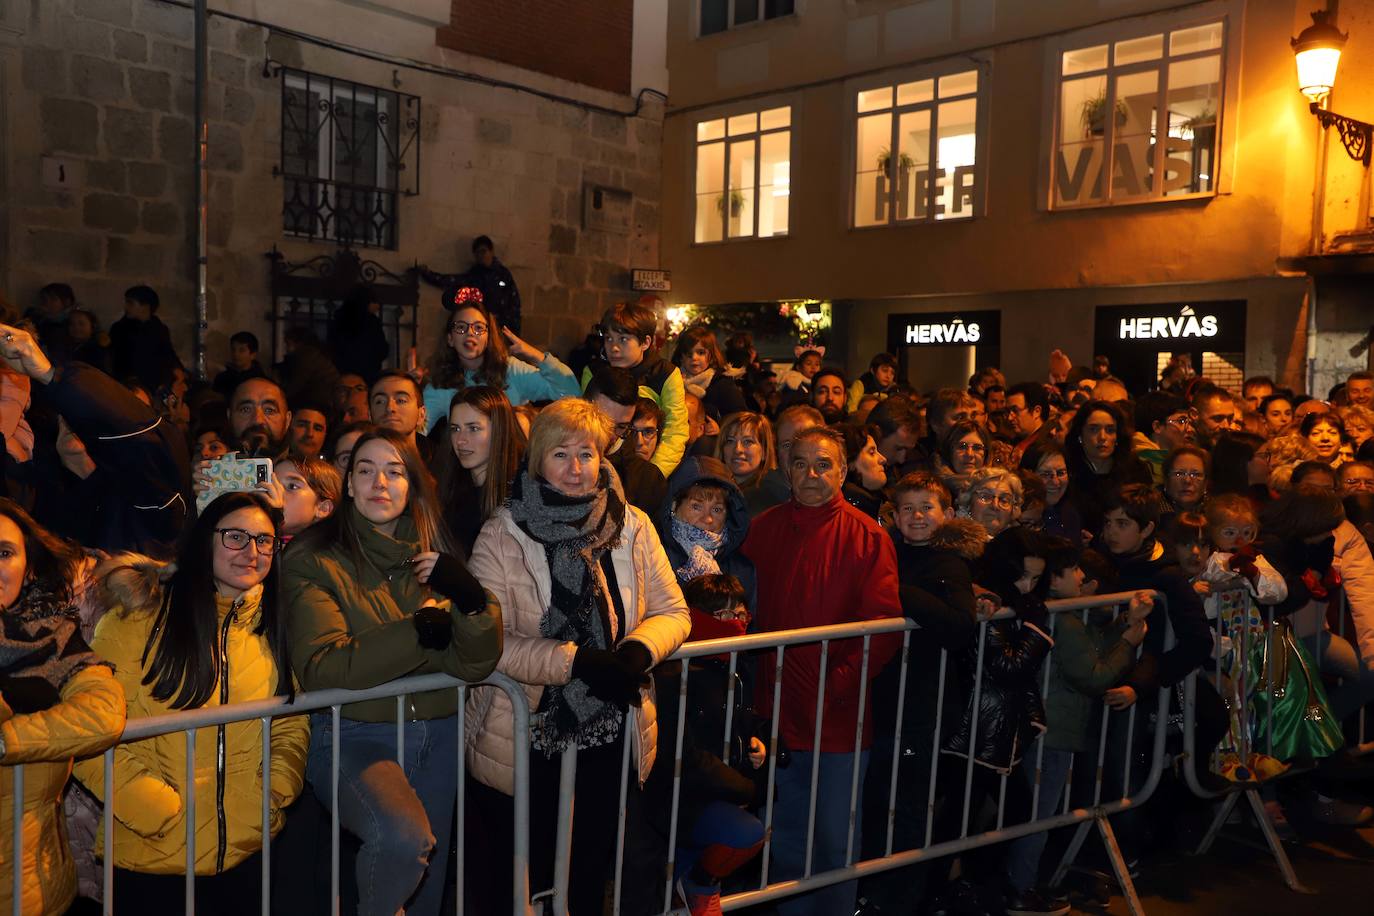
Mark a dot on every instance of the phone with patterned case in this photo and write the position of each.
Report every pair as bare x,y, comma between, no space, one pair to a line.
231,474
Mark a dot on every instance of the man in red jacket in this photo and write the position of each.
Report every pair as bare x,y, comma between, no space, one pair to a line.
820,561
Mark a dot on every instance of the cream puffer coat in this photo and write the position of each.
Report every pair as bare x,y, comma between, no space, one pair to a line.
513,567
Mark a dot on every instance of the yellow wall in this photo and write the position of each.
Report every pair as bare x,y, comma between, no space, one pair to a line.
1263,212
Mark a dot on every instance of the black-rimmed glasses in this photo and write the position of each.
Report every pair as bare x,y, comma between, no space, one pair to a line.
238,539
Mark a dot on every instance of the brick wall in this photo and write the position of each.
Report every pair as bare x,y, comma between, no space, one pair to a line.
585,41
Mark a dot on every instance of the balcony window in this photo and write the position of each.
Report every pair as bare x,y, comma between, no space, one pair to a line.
1137,118
721,15
916,150
743,175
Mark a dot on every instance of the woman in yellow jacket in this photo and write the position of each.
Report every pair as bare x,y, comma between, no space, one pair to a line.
206,632
57,701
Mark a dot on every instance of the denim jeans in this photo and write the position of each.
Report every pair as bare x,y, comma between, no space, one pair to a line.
1023,855
402,816
833,811
1338,656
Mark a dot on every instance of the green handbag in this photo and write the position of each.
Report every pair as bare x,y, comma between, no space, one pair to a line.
1303,724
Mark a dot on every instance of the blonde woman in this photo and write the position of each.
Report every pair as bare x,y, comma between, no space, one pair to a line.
745,446
590,603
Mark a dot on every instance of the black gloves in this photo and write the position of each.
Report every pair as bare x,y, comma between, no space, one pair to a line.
1031,610
614,677
1319,556
451,578
434,626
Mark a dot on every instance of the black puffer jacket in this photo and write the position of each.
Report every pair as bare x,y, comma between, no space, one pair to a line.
1010,709
936,589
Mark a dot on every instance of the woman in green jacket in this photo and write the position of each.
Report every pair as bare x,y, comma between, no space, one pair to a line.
376,593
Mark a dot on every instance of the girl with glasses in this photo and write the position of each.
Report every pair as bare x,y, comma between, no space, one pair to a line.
205,631
475,350
1060,516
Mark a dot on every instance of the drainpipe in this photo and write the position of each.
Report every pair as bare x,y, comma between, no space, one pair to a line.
202,184
1311,334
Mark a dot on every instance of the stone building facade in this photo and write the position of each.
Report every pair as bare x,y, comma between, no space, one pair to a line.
97,138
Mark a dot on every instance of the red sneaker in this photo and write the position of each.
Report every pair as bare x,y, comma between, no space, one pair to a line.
700,901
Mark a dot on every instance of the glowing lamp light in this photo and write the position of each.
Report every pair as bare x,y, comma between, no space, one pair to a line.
1318,54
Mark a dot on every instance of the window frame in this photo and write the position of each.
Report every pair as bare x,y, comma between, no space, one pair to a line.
732,26
981,62
1228,14
394,160
756,107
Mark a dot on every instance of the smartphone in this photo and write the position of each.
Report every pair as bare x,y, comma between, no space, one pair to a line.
232,474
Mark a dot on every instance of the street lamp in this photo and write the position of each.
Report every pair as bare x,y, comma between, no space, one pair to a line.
1318,53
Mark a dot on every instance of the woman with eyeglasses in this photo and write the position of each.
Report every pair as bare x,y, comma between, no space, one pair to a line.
965,448
1186,470
474,353
992,499
376,593
205,631
1060,516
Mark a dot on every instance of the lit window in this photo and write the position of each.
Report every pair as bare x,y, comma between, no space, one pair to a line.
1117,99
720,15
744,175
916,150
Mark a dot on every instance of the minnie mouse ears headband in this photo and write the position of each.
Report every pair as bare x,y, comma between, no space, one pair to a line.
456,297
799,350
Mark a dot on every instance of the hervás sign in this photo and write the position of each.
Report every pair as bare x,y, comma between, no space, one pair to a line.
956,331
1187,323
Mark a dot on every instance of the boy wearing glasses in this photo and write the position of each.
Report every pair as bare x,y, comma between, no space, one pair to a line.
627,342
1163,423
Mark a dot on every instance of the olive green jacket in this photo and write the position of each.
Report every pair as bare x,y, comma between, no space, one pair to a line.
349,625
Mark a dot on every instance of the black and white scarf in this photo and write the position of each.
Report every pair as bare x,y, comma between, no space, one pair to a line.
41,647
575,531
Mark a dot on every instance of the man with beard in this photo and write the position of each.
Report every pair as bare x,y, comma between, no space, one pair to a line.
258,418
828,394
1214,412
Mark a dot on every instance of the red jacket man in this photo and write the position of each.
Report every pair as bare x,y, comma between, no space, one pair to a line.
821,561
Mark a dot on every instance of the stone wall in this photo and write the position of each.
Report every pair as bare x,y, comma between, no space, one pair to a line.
97,179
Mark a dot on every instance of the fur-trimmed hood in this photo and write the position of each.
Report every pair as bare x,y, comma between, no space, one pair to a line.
132,581
964,536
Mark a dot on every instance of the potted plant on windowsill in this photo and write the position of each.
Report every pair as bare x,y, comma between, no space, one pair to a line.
1094,115
905,164
736,204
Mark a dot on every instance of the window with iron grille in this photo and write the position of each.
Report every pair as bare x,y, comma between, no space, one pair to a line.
349,152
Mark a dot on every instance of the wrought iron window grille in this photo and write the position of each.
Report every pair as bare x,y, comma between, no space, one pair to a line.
308,293
349,152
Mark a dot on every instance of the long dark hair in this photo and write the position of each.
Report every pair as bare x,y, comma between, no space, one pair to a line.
507,448
184,644
51,562
1077,459
448,368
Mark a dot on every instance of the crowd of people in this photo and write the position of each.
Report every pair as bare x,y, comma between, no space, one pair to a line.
572,525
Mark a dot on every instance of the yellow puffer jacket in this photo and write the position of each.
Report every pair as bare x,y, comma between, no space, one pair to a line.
150,775
89,719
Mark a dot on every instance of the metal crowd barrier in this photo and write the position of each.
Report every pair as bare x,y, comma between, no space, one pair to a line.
772,647
1235,687
190,721
1361,745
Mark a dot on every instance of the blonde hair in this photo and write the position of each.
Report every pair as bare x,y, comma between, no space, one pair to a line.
757,425
990,476
563,419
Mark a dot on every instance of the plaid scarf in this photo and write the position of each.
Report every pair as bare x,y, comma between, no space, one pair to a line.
40,649
575,531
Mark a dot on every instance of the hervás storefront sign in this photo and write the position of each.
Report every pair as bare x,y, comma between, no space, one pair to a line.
934,329
1135,337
